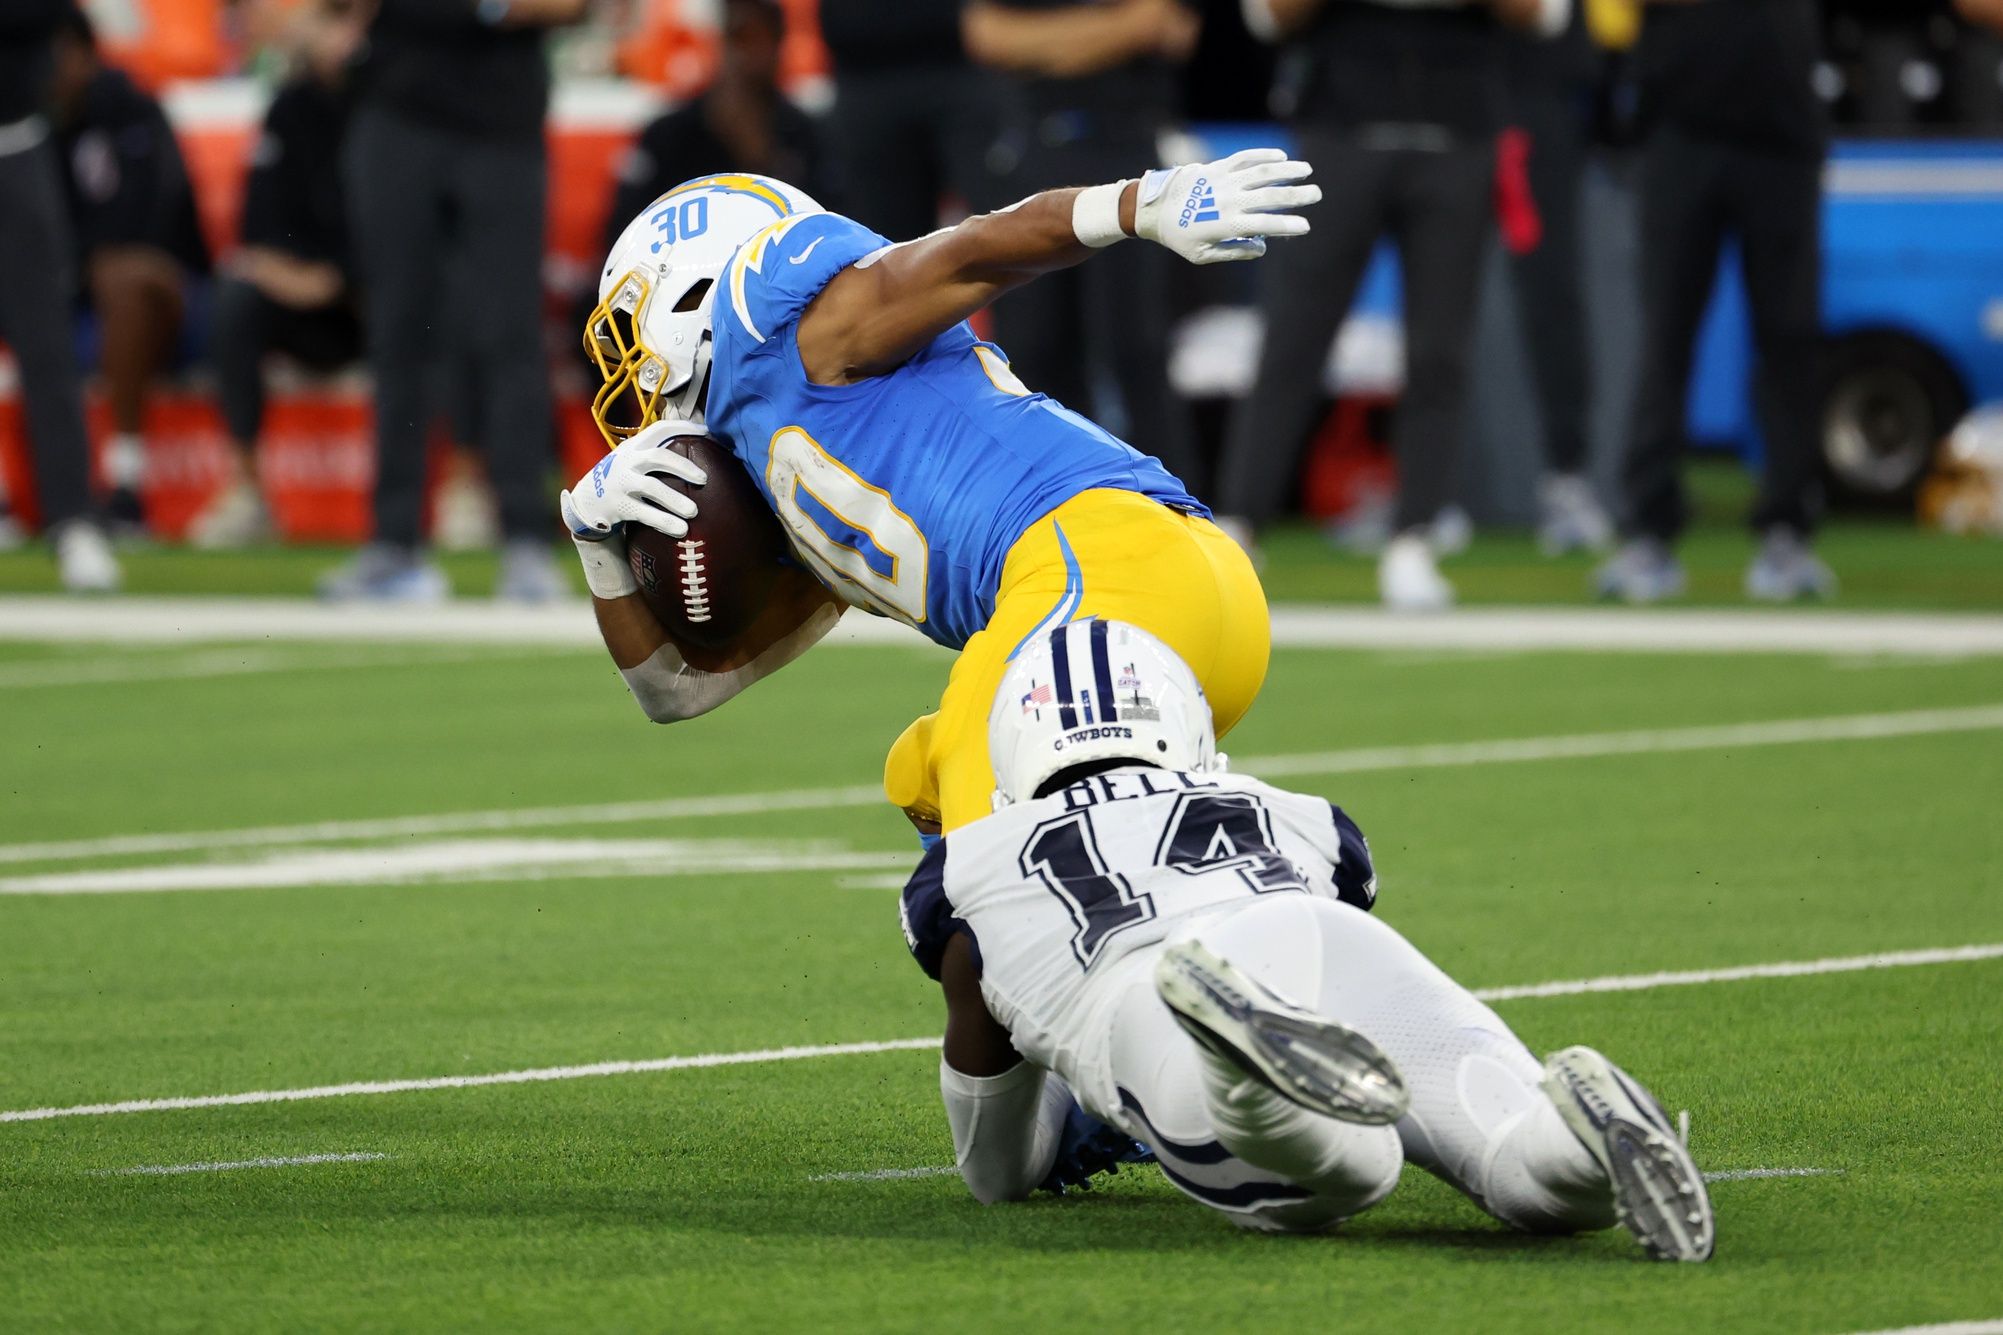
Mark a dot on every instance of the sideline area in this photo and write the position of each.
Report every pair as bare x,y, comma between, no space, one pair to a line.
230,620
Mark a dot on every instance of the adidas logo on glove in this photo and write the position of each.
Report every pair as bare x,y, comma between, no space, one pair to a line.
1201,206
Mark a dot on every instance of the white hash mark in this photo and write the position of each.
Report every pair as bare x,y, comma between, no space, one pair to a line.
231,1165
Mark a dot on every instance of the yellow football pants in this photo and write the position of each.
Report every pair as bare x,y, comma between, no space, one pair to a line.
1110,554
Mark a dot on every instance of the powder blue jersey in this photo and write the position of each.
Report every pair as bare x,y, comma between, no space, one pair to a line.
906,491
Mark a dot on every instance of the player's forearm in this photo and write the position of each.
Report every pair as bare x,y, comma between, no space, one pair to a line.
673,682
884,311
994,252
1006,1128
630,631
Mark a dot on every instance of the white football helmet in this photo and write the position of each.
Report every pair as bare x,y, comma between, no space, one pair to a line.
1093,691
650,332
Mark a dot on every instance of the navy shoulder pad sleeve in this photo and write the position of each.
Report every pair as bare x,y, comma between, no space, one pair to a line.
928,918
1355,873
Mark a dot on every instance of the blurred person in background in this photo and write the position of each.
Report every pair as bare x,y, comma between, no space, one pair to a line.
139,243
1553,87
287,288
1091,86
740,123
159,42
1398,106
445,170
35,268
913,121
1735,139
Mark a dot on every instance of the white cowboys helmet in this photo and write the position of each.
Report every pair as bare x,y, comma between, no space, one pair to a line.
1095,691
650,332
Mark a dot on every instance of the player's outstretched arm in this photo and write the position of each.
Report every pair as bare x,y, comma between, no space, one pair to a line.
1007,1115
878,312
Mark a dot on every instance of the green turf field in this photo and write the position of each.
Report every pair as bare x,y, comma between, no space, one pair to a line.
687,1199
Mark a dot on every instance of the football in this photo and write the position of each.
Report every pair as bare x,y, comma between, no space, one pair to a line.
708,587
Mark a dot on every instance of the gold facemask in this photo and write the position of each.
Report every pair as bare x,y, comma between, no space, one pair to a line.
612,341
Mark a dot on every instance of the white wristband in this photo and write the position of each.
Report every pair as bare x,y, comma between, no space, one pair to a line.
607,573
1095,215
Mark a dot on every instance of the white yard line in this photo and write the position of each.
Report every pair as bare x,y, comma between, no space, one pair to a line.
1763,1174
464,860
537,1076
1647,741
81,670
456,822
867,881
1620,983
886,1174
1945,1328
1511,629
1644,982
1731,736
1636,630
231,1165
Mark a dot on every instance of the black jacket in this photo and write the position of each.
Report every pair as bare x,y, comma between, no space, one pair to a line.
293,201
25,29
1360,64
1736,71
126,181
435,62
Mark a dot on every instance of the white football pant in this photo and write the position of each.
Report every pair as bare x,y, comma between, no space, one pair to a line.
1478,1117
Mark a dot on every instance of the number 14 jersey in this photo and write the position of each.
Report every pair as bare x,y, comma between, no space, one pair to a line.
904,492
1051,892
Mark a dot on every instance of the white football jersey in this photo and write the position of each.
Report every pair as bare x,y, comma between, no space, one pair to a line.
1051,892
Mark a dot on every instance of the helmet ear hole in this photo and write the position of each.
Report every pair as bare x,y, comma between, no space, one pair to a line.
692,298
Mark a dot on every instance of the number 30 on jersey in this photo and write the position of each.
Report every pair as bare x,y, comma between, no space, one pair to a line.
850,532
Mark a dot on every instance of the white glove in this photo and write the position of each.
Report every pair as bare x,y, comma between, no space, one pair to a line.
1209,212
629,486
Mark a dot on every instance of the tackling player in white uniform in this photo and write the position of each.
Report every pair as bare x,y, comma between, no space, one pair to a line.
1189,955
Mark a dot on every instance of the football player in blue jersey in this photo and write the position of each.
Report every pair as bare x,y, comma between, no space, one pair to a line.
916,477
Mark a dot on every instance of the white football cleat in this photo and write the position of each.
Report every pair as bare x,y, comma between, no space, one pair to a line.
84,559
1452,532
1306,1058
1570,516
1787,569
529,574
385,573
1658,1191
234,518
1643,571
466,517
1408,578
